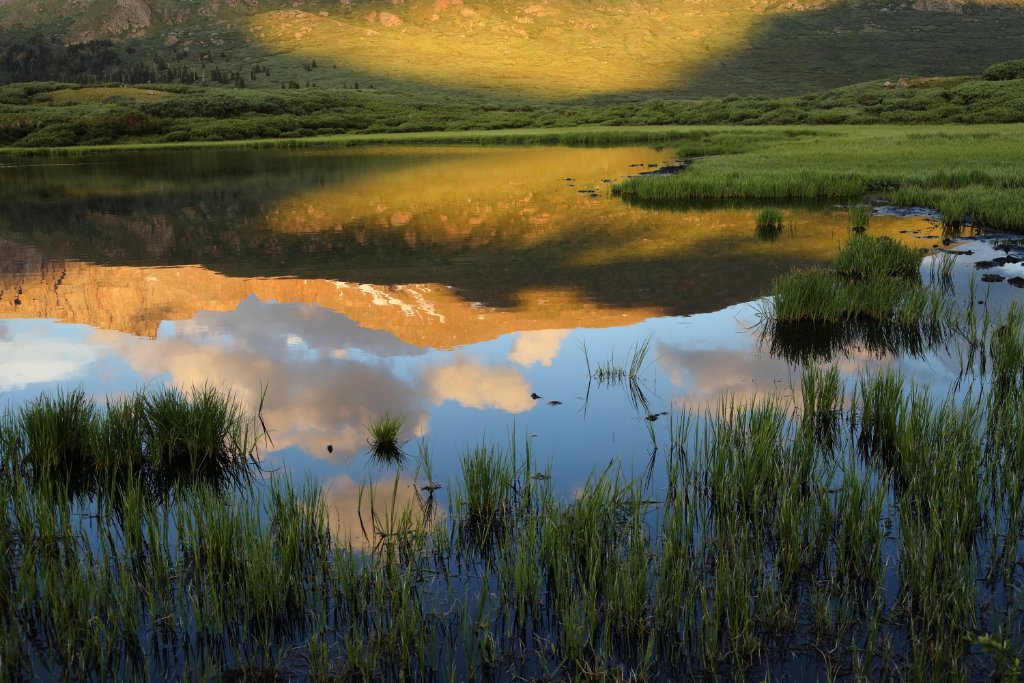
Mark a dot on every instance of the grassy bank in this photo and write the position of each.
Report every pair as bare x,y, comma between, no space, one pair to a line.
578,136
968,174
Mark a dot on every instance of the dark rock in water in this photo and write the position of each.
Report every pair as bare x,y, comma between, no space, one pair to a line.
1017,282
535,396
946,241
554,403
992,277
984,265
1003,260
568,179
330,448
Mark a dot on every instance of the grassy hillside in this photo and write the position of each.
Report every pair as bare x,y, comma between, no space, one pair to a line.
50,115
549,49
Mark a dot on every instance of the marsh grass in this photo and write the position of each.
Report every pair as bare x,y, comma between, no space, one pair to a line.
821,296
821,392
59,437
866,257
769,224
200,434
800,343
872,295
158,439
880,525
859,218
612,371
384,441
906,167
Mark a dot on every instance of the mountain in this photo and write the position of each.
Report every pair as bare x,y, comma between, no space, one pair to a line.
549,49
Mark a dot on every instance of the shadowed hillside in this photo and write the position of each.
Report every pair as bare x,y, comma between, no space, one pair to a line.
549,48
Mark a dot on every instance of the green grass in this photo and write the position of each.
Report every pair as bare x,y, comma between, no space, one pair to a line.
59,435
768,224
384,439
821,296
860,218
964,173
871,298
863,257
39,116
612,371
202,434
158,439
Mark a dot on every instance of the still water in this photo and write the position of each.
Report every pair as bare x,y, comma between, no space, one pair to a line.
444,285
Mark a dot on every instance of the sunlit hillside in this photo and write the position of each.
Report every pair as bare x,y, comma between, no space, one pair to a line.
549,48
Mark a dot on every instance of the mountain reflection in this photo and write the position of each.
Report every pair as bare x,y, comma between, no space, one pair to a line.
442,247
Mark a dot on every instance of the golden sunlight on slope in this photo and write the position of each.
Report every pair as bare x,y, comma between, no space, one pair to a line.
553,48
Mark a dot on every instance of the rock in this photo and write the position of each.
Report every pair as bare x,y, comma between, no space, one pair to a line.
1017,282
992,277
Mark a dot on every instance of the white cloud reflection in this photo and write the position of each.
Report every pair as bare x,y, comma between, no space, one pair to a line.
541,347
471,384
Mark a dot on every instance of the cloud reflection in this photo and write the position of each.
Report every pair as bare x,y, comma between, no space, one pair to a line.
389,499
472,384
315,395
541,347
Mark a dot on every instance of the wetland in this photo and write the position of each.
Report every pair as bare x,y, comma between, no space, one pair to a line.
506,413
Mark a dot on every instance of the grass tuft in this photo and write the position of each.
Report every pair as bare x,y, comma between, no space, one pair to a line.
202,434
768,224
383,440
60,433
860,218
865,257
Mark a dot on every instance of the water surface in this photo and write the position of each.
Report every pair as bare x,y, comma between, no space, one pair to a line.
445,285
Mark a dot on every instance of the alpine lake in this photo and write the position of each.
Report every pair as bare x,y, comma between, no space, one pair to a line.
607,462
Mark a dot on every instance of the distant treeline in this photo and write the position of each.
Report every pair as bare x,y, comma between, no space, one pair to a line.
47,115
41,58
36,57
